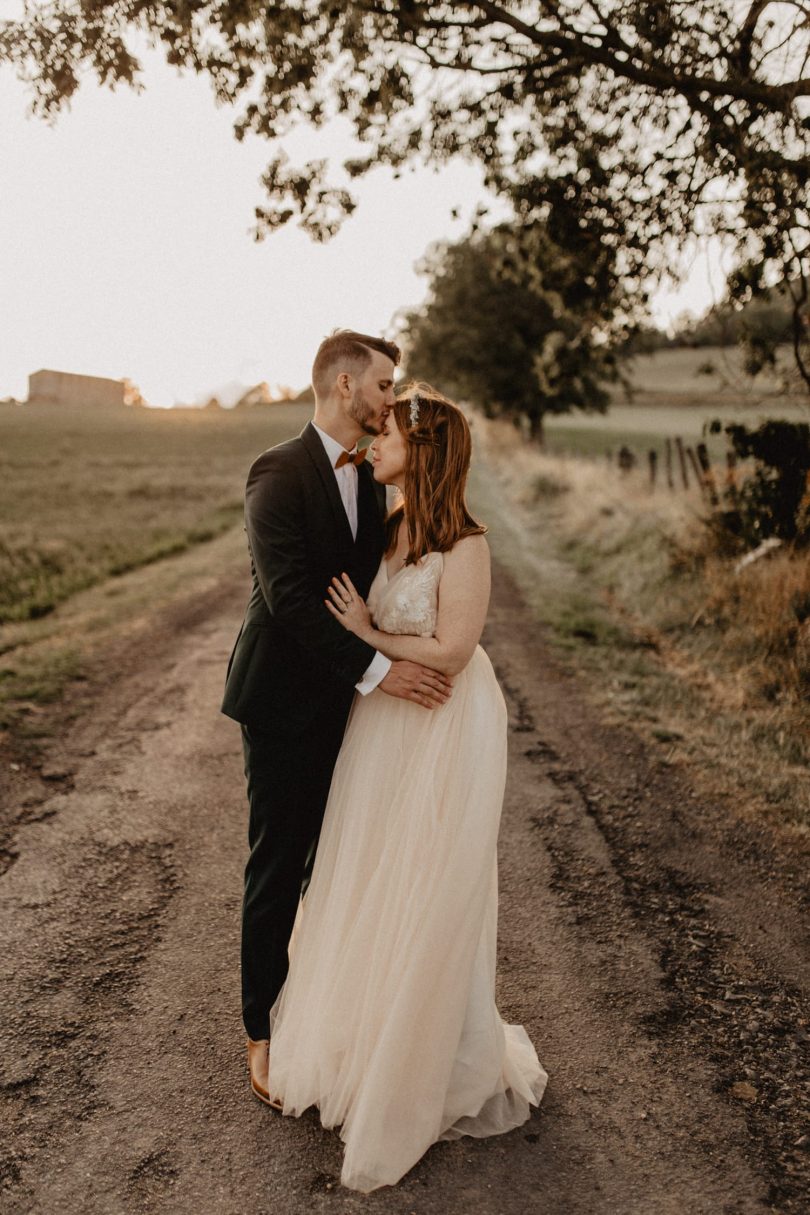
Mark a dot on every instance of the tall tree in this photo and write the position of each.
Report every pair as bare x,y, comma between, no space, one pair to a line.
518,325
659,119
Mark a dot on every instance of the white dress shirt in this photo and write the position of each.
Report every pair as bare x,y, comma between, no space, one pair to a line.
346,478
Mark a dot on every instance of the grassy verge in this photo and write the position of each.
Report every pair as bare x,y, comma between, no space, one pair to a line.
674,397
90,494
79,641
646,425
106,517
711,666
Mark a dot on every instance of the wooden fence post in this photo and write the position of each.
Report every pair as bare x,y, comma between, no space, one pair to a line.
668,463
731,475
693,460
626,459
653,458
708,475
682,461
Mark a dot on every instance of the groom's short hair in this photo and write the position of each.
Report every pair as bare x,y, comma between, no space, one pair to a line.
345,350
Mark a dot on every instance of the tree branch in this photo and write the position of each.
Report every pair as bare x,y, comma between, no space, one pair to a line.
773,97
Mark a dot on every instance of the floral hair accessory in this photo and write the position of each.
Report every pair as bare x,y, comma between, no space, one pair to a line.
415,403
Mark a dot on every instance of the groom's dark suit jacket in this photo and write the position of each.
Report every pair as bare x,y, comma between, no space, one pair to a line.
292,659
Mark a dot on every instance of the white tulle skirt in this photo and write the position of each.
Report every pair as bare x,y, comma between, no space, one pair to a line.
387,1022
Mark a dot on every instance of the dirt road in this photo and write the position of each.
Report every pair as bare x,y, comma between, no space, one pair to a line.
650,943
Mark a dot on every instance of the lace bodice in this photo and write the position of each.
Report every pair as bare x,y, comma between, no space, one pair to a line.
407,602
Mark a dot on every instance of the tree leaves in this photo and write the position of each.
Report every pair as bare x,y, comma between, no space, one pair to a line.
657,120
518,324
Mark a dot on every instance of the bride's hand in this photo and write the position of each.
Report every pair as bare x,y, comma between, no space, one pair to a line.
347,606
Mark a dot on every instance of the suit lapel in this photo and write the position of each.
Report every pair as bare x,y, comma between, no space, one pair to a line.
317,454
369,513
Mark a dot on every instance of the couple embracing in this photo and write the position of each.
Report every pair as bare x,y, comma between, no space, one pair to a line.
374,731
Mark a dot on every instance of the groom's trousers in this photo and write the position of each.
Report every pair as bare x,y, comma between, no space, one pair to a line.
288,780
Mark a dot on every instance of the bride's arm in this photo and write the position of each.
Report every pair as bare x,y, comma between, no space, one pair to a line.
463,602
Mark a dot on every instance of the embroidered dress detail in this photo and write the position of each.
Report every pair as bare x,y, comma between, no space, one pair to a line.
407,601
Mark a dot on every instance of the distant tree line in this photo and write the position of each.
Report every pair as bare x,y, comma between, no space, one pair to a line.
521,320
766,321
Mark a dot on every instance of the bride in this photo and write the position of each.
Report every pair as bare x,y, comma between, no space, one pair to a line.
387,1021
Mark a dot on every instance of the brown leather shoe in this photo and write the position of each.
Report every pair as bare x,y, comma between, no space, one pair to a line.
258,1062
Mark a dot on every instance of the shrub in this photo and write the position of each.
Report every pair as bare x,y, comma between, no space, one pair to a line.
774,499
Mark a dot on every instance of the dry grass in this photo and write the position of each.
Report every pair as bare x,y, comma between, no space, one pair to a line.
712,665
79,640
763,614
106,516
88,494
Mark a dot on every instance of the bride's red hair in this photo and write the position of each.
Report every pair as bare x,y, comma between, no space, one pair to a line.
437,460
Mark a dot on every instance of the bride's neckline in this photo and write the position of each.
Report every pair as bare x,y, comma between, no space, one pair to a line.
388,574
389,577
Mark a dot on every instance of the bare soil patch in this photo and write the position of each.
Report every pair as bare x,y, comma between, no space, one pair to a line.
651,942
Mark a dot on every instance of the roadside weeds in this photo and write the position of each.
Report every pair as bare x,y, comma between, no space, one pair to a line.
616,574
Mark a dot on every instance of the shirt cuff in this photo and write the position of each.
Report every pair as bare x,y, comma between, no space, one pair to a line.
374,674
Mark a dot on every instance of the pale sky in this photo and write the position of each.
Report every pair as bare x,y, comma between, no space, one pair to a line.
125,246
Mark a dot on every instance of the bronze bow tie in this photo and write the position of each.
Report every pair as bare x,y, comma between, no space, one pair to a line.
357,458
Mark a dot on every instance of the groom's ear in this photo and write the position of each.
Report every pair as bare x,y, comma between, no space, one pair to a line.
344,384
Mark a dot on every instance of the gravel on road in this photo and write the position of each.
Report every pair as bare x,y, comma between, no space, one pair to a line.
651,942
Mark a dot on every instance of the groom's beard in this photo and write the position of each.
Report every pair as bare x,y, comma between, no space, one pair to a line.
362,413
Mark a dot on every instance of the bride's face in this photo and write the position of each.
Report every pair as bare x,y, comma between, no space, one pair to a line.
388,454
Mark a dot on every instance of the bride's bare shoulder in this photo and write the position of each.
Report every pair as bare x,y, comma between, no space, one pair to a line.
470,552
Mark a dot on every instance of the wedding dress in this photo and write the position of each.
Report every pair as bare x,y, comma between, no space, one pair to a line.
387,1021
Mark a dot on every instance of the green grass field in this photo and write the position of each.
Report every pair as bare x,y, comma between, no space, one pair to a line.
643,428
672,399
688,376
86,495
106,516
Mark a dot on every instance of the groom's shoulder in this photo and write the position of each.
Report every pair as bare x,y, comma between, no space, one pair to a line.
284,457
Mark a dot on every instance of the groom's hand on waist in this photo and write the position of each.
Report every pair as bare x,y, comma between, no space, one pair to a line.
411,681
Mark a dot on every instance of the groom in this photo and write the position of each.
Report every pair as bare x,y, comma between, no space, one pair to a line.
312,511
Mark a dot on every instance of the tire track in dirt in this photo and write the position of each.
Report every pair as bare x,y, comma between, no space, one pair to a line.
722,902
123,1081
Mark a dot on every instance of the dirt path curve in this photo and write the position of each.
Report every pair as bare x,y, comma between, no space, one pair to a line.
648,943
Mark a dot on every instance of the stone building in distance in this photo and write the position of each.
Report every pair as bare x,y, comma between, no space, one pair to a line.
64,388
